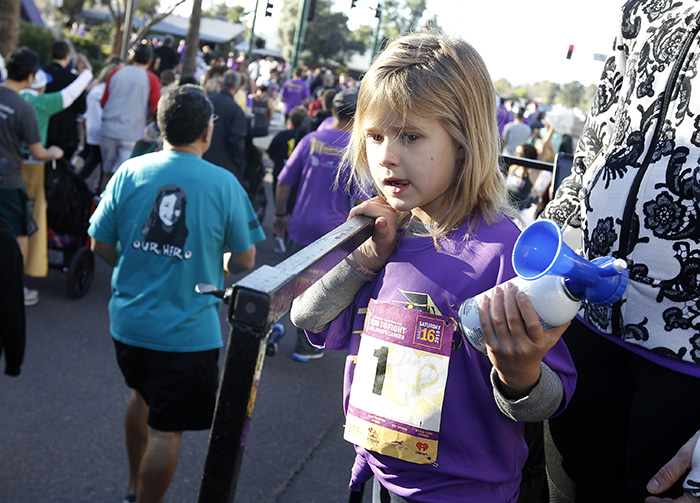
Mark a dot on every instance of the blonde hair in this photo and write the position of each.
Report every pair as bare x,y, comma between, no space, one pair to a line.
444,78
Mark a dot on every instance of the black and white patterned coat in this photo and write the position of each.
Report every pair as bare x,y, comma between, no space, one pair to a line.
635,184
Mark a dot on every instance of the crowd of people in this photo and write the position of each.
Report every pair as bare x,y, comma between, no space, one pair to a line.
432,419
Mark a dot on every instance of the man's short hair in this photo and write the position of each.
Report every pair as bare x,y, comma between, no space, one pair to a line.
297,115
143,54
167,77
232,79
21,63
183,114
327,98
344,104
59,49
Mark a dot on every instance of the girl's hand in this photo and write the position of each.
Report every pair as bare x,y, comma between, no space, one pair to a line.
374,253
515,340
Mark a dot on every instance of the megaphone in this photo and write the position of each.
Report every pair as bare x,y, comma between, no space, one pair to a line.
540,250
554,278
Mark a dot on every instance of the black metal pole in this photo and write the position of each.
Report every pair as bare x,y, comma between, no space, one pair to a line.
256,303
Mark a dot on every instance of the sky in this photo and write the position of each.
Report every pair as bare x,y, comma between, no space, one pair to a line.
521,41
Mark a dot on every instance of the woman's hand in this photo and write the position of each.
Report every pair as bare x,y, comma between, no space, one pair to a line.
673,471
515,339
374,253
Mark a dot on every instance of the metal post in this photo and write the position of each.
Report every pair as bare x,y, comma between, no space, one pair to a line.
300,31
252,33
375,38
256,303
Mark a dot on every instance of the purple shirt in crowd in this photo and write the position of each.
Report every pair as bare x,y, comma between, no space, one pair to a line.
313,165
481,451
293,93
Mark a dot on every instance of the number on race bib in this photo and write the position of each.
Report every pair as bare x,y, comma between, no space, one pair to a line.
382,355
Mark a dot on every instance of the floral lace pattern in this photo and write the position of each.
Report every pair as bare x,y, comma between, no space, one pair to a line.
641,201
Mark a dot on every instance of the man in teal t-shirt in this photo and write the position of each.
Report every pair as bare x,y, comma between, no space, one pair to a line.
168,221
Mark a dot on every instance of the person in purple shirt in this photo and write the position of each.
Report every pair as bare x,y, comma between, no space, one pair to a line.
295,92
432,419
320,206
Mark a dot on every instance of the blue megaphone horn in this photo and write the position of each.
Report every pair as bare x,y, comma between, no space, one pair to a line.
540,250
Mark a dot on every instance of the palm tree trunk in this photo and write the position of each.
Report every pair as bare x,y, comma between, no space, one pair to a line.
9,25
192,40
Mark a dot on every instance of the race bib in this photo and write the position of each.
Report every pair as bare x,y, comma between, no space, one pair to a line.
399,382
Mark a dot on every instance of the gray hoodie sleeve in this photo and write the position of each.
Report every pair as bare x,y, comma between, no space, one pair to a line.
325,300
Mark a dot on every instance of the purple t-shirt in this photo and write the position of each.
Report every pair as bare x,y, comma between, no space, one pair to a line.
481,451
293,93
313,165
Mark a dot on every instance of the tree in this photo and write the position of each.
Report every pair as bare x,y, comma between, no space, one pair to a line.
149,8
328,38
192,39
403,16
545,92
503,88
71,8
235,13
9,25
571,94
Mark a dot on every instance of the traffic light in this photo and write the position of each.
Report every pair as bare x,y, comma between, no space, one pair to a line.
268,9
571,49
353,4
312,10
378,13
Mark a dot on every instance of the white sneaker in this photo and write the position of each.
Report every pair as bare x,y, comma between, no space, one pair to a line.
31,297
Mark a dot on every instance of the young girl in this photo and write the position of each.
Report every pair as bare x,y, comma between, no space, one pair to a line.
431,418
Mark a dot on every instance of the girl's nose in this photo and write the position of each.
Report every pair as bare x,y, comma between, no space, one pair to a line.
388,156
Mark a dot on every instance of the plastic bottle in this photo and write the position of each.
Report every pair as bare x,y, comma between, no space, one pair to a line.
555,280
279,246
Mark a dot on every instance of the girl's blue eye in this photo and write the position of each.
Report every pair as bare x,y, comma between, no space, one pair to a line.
410,137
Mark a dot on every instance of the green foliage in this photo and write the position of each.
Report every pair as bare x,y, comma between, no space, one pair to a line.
403,16
328,39
71,8
92,45
38,39
571,94
235,13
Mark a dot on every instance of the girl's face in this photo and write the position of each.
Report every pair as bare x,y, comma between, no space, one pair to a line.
169,210
413,163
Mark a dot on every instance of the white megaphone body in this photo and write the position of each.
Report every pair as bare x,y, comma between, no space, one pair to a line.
554,278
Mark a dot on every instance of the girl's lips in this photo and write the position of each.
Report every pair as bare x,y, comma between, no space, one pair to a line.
395,185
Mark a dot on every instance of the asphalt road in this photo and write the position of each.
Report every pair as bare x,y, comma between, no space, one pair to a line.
61,420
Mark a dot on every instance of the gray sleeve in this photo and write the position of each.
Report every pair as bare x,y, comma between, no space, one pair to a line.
542,401
325,300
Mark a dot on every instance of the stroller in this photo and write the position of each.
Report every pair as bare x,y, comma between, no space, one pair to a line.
69,206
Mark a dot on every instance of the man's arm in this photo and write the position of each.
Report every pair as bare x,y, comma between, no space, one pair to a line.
106,251
75,89
45,154
154,92
279,223
235,263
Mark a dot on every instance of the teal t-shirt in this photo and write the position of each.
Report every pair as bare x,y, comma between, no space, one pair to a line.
173,216
45,105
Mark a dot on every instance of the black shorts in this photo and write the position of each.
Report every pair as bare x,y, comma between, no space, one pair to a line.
179,388
14,208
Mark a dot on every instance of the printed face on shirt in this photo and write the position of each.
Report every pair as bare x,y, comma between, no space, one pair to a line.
413,162
169,210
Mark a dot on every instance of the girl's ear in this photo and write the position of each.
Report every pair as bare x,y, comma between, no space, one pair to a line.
461,152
